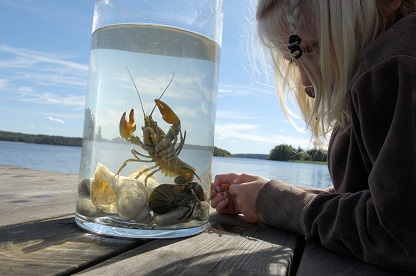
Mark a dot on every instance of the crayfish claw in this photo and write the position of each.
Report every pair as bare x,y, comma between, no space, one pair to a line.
167,113
127,128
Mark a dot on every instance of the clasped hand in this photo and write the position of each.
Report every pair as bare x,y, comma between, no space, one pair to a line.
235,193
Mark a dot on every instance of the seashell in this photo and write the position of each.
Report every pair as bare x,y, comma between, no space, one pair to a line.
131,197
151,181
102,193
126,196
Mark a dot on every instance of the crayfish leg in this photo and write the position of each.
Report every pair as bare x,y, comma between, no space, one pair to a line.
147,175
181,143
125,164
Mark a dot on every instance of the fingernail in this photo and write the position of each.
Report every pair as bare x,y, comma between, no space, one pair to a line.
217,189
223,194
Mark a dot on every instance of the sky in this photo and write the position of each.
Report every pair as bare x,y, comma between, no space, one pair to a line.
44,61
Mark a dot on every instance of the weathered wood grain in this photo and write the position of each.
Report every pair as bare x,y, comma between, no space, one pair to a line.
54,247
38,236
31,195
230,246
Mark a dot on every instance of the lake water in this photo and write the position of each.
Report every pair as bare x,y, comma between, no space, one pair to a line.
67,160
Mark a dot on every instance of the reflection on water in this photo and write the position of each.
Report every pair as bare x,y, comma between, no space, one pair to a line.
67,160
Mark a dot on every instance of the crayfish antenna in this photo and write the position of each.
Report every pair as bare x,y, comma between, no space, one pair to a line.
163,91
144,115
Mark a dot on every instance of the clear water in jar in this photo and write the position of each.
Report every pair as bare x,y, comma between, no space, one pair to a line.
169,154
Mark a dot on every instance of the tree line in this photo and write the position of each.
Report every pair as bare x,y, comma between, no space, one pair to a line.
281,152
285,152
40,139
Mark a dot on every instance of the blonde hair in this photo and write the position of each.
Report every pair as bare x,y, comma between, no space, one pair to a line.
343,29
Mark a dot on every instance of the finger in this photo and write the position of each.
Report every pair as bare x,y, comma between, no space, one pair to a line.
213,193
215,200
224,187
222,206
227,178
218,189
215,189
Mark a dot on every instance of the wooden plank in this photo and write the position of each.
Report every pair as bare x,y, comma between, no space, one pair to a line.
56,246
317,260
266,251
229,246
38,235
31,195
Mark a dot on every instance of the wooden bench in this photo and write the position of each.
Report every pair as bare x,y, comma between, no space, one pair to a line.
39,236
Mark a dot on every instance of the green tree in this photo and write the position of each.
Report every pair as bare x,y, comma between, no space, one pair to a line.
282,153
221,152
39,139
317,155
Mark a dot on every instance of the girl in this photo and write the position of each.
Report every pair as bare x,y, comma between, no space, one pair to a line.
351,66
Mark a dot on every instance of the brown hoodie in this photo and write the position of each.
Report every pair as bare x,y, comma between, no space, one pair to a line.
371,211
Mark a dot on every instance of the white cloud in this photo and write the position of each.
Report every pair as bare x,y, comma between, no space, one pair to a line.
55,120
237,90
41,67
25,57
3,84
250,132
27,94
25,90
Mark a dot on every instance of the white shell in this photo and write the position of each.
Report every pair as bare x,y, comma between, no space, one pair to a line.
151,181
123,195
131,197
102,193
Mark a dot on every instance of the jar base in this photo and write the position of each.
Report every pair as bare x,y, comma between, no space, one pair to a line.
95,227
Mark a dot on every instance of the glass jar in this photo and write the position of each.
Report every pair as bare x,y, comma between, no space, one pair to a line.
149,118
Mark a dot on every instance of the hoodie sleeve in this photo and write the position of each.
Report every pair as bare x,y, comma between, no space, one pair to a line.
376,224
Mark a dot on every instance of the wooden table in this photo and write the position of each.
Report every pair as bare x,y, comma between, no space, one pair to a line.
39,236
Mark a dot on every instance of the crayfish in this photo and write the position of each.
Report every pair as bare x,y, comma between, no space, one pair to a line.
159,145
